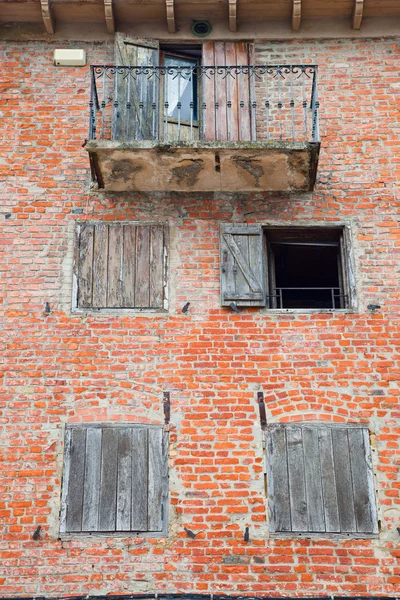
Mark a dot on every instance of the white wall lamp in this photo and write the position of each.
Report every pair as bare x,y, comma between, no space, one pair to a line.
69,58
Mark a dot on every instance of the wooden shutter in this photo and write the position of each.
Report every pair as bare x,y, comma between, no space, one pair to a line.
242,265
120,265
320,480
137,93
219,89
115,479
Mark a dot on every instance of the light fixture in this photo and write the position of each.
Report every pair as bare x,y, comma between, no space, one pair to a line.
201,28
67,57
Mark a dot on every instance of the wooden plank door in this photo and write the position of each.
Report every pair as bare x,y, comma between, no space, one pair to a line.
227,96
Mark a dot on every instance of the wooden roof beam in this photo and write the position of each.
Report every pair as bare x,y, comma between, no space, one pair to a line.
296,15
358,13
109,15
47,16
170,6
232,15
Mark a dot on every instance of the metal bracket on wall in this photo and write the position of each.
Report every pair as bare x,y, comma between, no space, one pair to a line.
261,406
167,410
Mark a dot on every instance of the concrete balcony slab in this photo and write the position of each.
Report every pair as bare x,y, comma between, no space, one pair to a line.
151,166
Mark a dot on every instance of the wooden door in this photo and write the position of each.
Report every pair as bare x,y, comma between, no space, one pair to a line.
228,97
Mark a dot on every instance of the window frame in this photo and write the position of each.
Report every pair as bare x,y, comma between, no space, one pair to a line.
120,309
347,266
371,483
66,465
180,54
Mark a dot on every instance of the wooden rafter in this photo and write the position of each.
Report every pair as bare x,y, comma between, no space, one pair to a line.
233,15
47,16
358,13
296,15
109,15
170,6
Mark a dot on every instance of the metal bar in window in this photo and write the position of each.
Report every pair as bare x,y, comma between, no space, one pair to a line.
292,102
252,74
267,104
166,105
179,104
228,103
128,105
216,103
191,103
116,114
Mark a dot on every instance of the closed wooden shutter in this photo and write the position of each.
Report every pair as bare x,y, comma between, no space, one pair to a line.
120,265
137,92
223,123
115,479
320,480
242,265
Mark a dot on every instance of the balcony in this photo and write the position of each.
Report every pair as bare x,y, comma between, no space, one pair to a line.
204,129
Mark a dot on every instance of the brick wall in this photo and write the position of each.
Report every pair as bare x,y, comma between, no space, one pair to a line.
65,367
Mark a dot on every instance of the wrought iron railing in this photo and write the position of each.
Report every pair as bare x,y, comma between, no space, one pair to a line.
308,297
184,104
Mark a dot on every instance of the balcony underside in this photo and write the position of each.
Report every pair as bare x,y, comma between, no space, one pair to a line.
150,166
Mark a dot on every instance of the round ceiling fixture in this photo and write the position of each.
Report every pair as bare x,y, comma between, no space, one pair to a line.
201,28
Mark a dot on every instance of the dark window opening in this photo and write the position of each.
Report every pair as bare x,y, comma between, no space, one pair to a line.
306,268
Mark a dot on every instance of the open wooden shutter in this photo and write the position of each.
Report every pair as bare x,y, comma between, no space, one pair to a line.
115,479
223,123
121,265
242,265
320,480
137,92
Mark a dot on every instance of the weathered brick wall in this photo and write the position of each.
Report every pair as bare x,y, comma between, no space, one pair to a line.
67,367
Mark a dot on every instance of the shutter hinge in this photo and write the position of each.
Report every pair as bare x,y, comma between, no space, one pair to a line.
167,410
261,406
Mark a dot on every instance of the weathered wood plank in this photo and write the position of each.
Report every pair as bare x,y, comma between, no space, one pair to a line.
256,262
253,285
241,282
297,488
142,287
228,291
91,484
363,502
278,480
136,122
343,480
100,265
313,479
139,479
331,510
115,266
129,249
85,265
76,479
156,287
208,85
220,93
244,93
155,491
124,480
108,492
232,84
